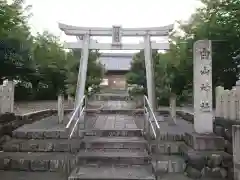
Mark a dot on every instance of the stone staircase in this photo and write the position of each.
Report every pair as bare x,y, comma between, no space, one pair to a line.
25,158
113,154
104,154
167,162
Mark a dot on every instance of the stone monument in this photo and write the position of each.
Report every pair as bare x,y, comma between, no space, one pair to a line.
203,114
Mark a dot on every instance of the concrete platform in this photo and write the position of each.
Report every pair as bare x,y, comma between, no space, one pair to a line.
180,127
109,173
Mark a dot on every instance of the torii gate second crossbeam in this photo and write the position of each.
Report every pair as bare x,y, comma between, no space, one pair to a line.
85,43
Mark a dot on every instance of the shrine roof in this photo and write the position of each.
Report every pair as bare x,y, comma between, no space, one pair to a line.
116,61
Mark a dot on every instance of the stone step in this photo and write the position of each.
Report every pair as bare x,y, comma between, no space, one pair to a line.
42,145
22,133
166,147
178,136
114,132
113,156
174,176
180,176
119,110
110,173
114,143
22,161
168,164
22,175
206,164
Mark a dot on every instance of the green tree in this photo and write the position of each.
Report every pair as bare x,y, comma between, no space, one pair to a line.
95,71
16,41
216,20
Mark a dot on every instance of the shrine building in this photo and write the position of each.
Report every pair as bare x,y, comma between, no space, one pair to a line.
117,65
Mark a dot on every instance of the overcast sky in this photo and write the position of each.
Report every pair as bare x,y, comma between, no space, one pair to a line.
105,13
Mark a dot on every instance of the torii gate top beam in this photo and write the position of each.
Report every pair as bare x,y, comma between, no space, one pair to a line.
99,31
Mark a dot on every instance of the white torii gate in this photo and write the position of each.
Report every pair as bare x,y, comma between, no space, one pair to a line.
85,43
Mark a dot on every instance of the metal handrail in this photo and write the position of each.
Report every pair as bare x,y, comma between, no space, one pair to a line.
154,117
154,132
74,113
75,125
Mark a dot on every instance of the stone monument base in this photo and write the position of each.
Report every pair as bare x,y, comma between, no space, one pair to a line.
204,142
205,156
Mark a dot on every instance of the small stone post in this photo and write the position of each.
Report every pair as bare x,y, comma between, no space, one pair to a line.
7,97
226,97
219,103
232,105
172,103
238,99
60,108
236,150
70,101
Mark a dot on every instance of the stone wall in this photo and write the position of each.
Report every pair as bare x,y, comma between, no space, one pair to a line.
10,122
222,127
228,102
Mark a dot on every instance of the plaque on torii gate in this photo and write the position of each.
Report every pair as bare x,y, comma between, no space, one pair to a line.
117,32
116,36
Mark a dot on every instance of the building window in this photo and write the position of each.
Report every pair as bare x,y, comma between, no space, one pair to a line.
104,82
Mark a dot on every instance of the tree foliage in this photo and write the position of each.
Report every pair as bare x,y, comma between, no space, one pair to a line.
216,20
39,64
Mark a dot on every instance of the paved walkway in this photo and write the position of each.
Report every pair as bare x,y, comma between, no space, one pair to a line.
27,107
118,105
189,110
113,121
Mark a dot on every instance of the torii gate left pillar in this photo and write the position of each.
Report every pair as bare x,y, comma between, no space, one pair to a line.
82,72
149,72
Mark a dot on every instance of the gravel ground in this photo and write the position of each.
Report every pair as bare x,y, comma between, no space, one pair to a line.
26,107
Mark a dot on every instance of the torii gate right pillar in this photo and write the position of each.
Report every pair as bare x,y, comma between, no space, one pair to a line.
149,72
